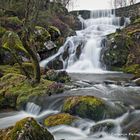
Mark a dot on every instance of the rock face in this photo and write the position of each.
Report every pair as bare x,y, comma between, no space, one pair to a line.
91,107
58,119
123,48
26,129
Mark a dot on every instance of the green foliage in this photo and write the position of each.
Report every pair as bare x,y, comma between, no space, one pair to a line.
58,119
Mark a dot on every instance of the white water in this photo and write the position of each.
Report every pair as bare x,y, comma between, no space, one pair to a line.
90,41
80,130
32,110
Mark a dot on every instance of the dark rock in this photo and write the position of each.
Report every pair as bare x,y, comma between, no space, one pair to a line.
55,64
137,81
131,126
103,127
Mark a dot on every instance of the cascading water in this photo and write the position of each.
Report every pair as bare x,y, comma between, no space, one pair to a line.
84,48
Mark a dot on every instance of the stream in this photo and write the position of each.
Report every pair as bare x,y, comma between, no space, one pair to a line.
91,78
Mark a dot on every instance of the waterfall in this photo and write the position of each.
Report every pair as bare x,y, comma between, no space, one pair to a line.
33,108
84,48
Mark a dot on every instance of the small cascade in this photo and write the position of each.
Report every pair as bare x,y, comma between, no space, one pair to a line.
81,53
32,108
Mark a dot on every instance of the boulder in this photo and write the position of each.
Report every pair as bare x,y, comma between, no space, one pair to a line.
137,81
26,129
131,126
103,127
91,107
59,119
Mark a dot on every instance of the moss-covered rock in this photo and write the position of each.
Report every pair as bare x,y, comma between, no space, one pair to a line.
58,76
123,48
117,52
54,31
91,107
11,22
25,129
134,68
16,90
58,119
85,106
41,36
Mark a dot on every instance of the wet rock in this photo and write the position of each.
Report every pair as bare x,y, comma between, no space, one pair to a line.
26,129
131,126
103,127
56,64
91,107
55,32
59,119
58,76
137,81
55,88
49,45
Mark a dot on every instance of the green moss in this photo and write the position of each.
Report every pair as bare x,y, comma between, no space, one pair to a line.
11,22
2,31
133,31
73,101
137,20
5,69
42,34
11,41
14,20
85,106
58,119
16,90
54,29
134,68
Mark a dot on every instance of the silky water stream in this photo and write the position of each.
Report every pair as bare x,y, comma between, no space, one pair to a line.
87,71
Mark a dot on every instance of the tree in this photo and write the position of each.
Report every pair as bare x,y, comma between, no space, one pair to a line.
120,3
31,15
